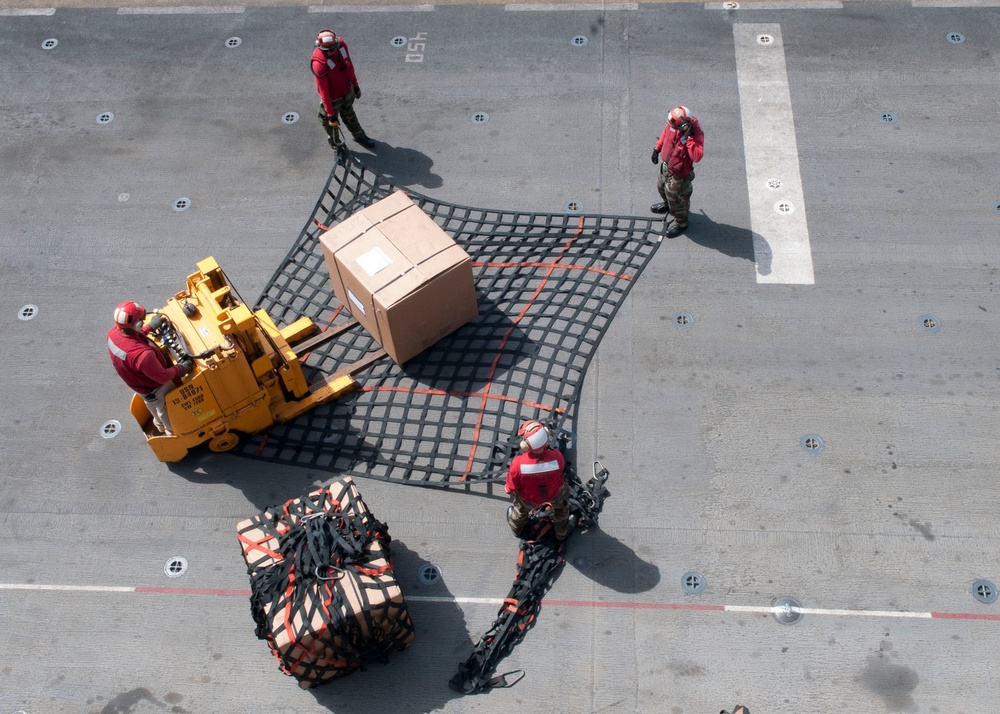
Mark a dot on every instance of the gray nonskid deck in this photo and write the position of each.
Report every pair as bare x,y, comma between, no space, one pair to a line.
887,357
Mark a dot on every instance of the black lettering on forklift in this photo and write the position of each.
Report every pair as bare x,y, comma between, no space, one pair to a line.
189,396
189,390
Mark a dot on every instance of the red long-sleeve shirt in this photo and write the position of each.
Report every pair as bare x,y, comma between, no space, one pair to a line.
536,477
140,364
681,158
334,73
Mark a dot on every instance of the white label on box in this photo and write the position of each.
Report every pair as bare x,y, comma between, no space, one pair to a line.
373,261
354,299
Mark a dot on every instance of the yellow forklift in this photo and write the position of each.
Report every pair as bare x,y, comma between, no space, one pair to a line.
247,371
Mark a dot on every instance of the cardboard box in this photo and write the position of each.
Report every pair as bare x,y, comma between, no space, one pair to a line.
401,276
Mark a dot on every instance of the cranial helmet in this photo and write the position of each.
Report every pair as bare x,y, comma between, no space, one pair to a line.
326,40
678,115
534,436
128,313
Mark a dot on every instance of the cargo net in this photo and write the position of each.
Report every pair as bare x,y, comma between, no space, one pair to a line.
539,563
323,593
548,286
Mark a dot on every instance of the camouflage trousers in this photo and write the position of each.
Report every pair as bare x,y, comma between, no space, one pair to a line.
676,193
344,107
560,512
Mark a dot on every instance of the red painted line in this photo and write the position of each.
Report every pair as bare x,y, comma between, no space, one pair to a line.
191,591
963,616
635,605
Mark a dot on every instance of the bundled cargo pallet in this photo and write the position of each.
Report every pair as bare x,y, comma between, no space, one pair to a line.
323,593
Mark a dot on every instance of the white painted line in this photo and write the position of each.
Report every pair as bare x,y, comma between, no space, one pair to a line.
371,8
496,601
862,613
831,612
956,3
818,5
26,11
71,588
183,10
777,217
589,7
752,609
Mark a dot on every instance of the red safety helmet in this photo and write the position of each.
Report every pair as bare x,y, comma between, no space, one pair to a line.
326,40
128,313
678,116
534,436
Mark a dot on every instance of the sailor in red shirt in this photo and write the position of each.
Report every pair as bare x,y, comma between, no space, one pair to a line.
535,477
140,363
338,87
681,146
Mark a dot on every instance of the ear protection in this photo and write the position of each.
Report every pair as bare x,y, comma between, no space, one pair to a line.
327,40
534,435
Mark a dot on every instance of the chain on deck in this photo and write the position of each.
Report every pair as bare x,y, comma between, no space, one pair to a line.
548,286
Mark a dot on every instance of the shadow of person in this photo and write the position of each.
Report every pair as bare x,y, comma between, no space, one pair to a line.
403,167
416,679
762,251
729,240
609,562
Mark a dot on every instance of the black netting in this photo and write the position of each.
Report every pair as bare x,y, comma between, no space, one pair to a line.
547,285
538,565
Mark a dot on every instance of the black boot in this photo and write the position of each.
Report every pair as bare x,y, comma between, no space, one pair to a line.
660,208
676,230
366,141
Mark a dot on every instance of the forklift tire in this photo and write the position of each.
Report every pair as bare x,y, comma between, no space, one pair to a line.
224,442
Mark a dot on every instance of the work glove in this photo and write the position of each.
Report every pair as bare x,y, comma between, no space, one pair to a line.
357,92
186,365
656,156
157,322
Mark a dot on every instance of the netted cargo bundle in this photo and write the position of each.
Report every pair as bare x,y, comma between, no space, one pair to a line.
323,593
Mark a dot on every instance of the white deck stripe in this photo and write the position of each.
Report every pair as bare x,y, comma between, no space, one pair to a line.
370,8
956,3
183,10
780,240
457,600
73,588
862,613
589,7
833,612
25,11
818,5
